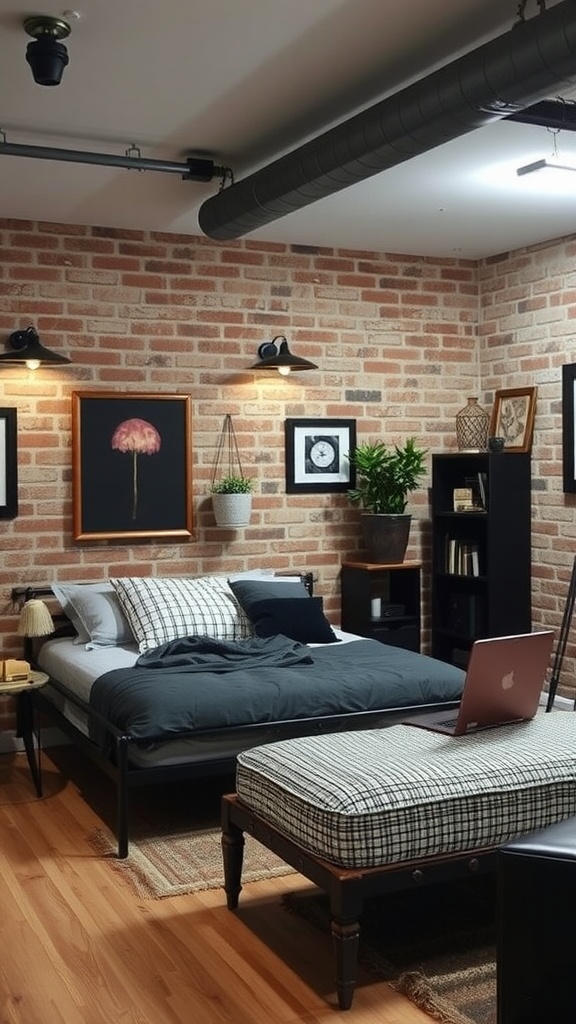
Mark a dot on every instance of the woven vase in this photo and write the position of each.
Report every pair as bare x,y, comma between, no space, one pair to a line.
472,424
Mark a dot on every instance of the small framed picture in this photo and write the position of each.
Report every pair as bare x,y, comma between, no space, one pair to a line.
8,464
131,466
513,418
317,455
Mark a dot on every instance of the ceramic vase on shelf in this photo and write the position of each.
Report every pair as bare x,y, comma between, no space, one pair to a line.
472,424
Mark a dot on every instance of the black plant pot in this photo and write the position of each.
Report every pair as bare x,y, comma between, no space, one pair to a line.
385,536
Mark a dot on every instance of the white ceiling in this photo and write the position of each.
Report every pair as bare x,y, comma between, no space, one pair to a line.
243,81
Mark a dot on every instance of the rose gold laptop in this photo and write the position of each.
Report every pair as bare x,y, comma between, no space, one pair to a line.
504,680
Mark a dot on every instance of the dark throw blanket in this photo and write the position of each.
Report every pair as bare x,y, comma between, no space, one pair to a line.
204,653
191,688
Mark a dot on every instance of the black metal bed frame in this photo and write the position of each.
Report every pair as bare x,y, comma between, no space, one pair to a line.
127,776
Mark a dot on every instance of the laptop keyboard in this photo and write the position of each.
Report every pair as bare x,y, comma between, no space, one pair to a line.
448,723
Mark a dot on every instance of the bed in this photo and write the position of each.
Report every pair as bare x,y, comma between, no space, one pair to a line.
163,679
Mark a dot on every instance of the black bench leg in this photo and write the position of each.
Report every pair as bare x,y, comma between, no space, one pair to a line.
233,856
345,938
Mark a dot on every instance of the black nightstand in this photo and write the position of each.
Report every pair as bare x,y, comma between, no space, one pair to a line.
382,601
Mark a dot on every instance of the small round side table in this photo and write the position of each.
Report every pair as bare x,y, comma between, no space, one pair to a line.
23,690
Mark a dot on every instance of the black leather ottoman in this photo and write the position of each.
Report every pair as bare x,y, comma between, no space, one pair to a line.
537,927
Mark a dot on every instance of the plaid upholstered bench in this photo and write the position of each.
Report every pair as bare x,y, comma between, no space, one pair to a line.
364,813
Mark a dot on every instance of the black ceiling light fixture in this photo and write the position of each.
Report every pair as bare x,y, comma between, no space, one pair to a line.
47,56
273,356
25,347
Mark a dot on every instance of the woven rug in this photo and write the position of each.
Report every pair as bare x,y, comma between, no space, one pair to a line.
436,945
176,863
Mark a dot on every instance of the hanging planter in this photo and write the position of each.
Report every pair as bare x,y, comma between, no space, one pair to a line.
231,494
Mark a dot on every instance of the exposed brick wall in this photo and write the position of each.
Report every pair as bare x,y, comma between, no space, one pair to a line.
526,334
399,349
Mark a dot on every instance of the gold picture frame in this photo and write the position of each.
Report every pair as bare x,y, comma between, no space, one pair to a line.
131,466
512,418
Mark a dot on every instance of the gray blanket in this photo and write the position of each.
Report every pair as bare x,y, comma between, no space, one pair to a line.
157,703
205,653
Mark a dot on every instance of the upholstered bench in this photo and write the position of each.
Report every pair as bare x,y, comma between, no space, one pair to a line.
368,812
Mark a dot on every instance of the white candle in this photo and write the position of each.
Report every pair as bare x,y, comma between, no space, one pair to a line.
376,607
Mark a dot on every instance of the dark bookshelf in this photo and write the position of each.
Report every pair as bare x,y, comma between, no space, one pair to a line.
481,556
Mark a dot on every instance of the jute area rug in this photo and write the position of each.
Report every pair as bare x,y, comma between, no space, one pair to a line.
175,863
436,945
174,845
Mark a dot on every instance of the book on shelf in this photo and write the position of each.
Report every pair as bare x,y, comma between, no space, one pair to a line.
477,485
462,557
463,499
483,488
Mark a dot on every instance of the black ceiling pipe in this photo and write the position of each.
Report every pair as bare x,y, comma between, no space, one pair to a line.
499,78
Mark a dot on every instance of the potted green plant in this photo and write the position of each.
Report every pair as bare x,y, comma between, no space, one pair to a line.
232,500
385,475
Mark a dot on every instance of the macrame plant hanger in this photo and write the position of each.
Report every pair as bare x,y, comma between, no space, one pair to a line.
227,450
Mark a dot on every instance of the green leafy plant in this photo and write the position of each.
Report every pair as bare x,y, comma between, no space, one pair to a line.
386,475
232,485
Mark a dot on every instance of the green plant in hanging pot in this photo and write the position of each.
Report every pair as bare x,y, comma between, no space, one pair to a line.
232,500
385,475
232,492
232,485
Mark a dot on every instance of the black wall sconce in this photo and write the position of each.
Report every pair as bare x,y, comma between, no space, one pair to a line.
273,356
25,347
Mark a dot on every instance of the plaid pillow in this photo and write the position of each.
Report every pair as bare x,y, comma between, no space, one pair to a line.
164,608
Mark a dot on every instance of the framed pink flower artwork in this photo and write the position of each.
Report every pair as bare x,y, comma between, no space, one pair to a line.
131,465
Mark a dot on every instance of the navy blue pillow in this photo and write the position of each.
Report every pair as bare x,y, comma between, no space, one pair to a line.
247,592
300,620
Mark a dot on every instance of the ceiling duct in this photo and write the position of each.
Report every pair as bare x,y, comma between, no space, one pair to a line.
517,69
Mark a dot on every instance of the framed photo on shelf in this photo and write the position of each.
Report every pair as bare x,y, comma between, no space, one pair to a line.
131,466
317,455
513,418
568,428
8,464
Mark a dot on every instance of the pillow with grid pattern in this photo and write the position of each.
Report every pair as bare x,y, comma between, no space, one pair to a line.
160,609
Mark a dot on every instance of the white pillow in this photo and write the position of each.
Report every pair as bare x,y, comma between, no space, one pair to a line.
164,608
95,613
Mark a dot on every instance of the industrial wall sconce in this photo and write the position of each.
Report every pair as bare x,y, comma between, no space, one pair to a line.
279,357
25,347
46,55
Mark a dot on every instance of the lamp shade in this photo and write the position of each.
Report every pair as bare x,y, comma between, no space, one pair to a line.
25,347
274,357
35,619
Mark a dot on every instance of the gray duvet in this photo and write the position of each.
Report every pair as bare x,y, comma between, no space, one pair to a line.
199,684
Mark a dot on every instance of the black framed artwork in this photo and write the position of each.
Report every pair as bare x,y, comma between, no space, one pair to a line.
8,464
568,444
131,466
317,455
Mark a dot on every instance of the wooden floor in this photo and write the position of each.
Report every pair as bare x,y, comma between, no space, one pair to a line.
78,947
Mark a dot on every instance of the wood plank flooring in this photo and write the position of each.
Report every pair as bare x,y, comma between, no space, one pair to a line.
77,946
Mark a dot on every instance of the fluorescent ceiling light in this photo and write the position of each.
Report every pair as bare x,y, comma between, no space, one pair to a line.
541,165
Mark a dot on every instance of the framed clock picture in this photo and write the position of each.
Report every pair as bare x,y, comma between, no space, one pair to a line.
317,455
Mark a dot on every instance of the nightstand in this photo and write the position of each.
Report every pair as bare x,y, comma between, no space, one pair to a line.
382,601
23,690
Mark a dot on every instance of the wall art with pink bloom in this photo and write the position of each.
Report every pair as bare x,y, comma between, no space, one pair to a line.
131,465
